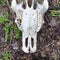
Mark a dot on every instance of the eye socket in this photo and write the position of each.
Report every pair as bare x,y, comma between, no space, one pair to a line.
29,3
35,6
24,5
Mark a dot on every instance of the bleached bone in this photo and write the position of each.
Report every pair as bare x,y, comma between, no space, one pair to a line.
29,21
43,7
13,4
29,28
40,19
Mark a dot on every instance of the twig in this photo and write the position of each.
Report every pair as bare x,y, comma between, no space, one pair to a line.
48,44
54,8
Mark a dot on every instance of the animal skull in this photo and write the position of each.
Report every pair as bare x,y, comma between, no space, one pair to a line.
29,19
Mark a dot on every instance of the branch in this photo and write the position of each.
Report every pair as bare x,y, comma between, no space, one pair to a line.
54,8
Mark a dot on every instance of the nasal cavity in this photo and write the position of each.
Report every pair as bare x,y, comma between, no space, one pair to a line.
29,3
26,42
32,42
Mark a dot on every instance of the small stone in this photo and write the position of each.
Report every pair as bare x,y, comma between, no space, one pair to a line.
2,39
15,46
58,43
43,54
58,30
53,22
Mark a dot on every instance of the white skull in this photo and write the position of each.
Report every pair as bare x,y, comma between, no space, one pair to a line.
29,21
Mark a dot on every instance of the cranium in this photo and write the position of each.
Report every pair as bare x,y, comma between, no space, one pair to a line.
29,19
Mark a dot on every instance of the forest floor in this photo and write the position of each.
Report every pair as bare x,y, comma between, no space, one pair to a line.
48,40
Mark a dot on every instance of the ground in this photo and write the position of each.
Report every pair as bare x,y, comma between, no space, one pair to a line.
48,40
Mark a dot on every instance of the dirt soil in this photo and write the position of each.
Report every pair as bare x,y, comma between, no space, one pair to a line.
48,40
